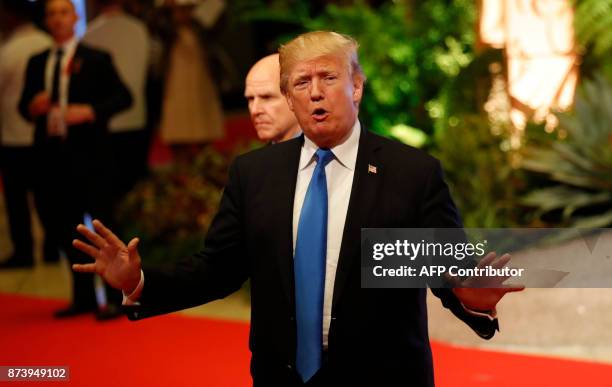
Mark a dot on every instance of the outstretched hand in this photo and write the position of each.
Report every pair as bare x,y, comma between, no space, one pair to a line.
483,293
119,265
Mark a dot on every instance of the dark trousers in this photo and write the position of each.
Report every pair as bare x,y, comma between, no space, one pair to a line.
349,369
18,175
130,150
68,188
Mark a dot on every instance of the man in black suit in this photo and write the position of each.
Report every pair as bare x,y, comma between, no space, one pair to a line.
290,220
70,92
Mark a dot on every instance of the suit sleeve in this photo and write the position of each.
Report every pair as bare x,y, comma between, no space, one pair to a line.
114,95
30,89
215,272
439,211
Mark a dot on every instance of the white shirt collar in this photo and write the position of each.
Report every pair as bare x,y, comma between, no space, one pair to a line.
345,153
68,46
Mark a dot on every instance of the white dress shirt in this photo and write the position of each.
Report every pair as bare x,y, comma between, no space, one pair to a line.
69,48
339,174
22,44
127,40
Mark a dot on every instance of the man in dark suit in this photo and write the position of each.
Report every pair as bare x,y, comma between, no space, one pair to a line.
70,92
290,220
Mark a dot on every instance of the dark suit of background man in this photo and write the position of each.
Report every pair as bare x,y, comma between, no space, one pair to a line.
273,227
70,92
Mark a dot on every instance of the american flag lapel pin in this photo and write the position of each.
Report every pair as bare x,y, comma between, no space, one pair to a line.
371,168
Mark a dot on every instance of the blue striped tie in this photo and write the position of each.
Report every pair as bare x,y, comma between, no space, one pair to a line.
309,263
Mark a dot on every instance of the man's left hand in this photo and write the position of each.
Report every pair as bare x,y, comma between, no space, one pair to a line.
483,293
79,114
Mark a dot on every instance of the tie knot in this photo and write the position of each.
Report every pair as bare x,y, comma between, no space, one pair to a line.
324,156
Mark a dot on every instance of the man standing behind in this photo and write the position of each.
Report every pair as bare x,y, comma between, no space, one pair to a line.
126,39
270,114
16,134
71,91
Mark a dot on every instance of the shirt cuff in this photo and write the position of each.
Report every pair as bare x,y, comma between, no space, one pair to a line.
132,299
490,314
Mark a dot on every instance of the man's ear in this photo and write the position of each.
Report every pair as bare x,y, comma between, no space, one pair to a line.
357,88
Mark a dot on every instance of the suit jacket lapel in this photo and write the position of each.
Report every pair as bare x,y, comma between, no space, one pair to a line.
363,193
366,183
74,69
288,171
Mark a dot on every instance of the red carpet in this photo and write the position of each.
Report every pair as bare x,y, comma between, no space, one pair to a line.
182,351
165,351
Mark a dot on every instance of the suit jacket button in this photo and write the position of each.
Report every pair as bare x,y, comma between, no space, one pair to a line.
289,366
291,318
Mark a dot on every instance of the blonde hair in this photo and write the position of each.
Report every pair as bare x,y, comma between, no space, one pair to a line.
316,44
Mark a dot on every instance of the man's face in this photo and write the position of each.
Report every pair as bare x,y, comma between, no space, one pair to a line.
324,98
60,17
271,116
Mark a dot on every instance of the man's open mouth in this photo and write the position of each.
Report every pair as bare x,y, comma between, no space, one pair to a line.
320,114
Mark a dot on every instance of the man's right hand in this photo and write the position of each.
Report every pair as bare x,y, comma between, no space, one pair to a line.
40,105
117,263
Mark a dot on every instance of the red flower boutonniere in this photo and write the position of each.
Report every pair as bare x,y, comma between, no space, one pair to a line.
74,66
